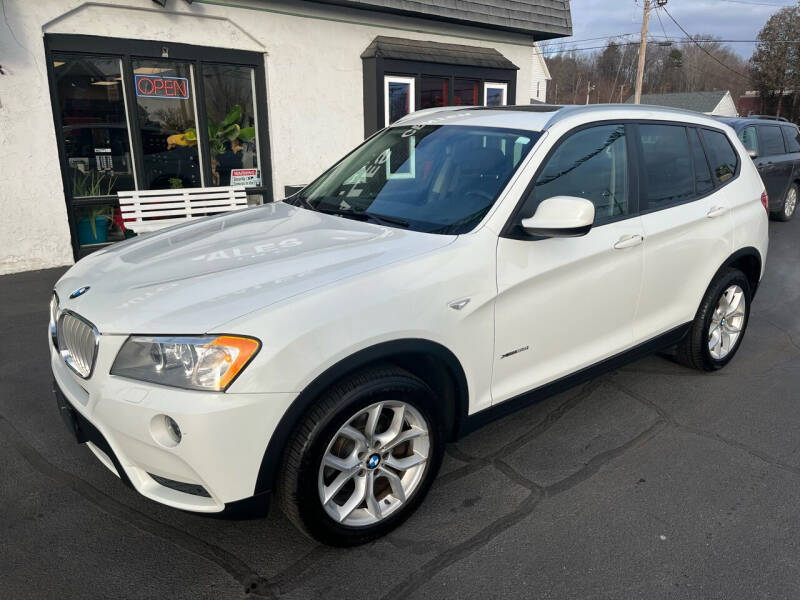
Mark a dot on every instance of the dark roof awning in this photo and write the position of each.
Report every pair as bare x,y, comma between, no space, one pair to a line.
436,52
543,19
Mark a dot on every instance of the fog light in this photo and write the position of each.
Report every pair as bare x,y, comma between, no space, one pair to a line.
166,431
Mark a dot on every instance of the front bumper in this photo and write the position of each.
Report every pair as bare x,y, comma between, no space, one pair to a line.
218,458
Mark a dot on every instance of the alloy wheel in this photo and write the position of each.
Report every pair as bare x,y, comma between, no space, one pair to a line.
791,202
374,463
727,322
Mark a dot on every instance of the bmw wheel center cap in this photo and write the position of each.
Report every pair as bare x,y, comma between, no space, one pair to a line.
373,461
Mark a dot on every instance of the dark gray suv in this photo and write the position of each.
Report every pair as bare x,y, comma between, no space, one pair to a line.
774,145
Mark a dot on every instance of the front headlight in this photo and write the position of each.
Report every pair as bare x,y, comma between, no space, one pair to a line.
191,362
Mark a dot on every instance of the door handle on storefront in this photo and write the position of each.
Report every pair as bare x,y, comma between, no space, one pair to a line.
715,211
628,241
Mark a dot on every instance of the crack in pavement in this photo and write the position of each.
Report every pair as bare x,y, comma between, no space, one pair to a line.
436,565
475,463
252,583
754,452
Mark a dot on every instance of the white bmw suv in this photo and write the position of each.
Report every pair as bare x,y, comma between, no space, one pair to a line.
453,267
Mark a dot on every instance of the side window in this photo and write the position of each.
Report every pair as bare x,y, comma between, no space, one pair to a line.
792,137
771,140
721,155
667,165
592,164
749,139
702,174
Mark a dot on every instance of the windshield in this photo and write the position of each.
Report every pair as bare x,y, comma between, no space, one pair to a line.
431,178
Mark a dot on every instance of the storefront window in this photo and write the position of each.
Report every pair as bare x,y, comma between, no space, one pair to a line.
434,92
166,115
399,97
465,93
229,96
94,128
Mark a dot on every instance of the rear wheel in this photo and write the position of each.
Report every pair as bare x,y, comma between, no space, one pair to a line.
789,204
363,458
720,323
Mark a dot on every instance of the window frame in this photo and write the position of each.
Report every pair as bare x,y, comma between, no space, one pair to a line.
512,229
128,50
496,85
412,93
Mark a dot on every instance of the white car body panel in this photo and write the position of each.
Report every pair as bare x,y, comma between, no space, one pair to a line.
315,289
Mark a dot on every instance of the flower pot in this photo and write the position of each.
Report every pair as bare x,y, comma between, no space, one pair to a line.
87,236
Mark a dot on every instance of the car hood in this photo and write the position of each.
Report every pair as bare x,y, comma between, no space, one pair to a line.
196,277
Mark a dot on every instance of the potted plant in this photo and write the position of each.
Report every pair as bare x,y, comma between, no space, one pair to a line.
93,224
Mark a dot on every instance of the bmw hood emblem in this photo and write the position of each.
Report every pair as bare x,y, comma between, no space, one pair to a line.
79,292
373,461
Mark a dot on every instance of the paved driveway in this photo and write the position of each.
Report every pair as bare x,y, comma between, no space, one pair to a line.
650,482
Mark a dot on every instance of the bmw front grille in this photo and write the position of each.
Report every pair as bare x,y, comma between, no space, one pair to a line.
77,340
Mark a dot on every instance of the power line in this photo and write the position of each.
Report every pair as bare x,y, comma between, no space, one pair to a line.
758,3
742,75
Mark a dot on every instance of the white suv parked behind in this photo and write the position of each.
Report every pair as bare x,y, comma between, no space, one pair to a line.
453,267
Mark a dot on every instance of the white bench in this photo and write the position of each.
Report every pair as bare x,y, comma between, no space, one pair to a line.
150,210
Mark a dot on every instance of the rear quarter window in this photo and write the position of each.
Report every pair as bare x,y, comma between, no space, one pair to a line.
721,156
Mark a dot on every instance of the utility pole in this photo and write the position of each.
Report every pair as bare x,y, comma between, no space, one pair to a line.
588,90
642,50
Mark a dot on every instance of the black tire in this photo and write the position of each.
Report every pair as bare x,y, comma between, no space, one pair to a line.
693,351
781,215
298,493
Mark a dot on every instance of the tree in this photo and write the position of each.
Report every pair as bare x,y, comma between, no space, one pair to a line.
774,65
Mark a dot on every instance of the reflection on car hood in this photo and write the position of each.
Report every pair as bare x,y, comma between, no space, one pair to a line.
198,276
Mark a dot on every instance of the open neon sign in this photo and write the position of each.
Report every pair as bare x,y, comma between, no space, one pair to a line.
156,86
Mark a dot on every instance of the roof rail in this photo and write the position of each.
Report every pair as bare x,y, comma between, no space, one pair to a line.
768,118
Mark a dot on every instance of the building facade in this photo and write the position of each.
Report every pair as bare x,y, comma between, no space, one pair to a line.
102,97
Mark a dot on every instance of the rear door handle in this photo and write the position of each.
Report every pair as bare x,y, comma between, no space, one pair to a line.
715,211
628,241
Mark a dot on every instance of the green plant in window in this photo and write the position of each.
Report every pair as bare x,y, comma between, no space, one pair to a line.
175,183
93,183
226,135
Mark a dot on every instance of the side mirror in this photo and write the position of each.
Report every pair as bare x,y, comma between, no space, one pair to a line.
752,154
561,216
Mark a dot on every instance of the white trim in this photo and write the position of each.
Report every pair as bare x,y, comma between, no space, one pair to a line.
502,86
411,95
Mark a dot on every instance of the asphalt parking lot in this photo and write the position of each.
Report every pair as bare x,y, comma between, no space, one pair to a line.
653,481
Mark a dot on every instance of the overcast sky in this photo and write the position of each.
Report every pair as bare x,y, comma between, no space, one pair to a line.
727,19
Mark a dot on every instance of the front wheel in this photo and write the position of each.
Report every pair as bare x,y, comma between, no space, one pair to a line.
363,458
720,323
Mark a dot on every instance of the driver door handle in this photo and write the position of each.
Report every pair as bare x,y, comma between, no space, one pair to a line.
628,241
715,211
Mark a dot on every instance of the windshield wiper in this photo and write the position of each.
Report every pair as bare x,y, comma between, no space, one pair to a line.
363,215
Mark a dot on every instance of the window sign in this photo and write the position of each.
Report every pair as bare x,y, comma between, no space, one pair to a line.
434,92
465,92
245,177
168,130
398,98
495,94
156,86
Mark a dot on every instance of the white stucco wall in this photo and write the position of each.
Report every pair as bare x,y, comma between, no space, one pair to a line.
314,90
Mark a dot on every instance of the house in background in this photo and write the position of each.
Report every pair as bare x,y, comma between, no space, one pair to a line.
718,103
132,95
540,75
